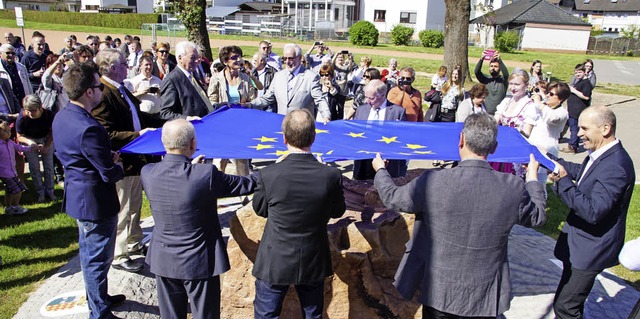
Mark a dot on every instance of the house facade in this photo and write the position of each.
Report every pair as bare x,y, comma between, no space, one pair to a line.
610,16
420,15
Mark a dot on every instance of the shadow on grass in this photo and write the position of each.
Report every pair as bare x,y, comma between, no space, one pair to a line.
59,237
34,275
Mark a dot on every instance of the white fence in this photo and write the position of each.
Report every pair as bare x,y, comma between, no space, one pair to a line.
238,27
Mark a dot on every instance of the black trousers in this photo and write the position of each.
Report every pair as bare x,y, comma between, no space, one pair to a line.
433,313
174,296
572,292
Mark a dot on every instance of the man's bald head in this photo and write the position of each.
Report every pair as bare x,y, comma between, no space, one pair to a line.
601,115
177,135
299,129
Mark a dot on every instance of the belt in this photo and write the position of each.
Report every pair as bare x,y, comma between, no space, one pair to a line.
448,110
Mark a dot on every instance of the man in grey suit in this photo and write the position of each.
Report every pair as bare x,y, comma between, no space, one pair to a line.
377,108
458,253
295,87
187,252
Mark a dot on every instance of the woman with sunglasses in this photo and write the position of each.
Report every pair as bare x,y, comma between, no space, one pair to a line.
162,65
550,121
332,91
233,85
369,74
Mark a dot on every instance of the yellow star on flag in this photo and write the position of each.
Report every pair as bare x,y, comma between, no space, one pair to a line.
368,152
361,135
261,147
265,139
415,146
389,140
330,152
423,152
318,131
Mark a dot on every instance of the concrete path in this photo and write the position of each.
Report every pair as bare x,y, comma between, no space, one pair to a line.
617,72
535,273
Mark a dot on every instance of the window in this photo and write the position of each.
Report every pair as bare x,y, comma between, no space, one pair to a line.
336,14
379,15
408,17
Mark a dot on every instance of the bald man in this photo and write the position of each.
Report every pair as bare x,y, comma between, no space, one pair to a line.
598,193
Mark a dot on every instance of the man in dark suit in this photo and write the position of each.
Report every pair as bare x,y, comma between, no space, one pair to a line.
83,147
457,256
377,108
182,97
295,87
598,194
119,113
187,252
294,248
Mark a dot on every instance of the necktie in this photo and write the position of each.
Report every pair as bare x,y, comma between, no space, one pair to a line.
290,86
377,115
134,113
201,93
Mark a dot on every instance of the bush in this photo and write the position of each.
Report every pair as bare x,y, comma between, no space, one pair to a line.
401,35
431,38
363,33
507,41
124,21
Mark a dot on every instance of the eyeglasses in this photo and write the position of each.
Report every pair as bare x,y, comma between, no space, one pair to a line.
10,53
324,74
99,86
235,57
285,58
371,98
550,93
366,76
409,80
163,51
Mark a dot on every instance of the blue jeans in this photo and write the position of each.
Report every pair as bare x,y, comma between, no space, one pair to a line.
574,141
97,239
269,298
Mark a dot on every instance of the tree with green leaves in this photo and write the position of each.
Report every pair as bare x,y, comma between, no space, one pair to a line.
192,14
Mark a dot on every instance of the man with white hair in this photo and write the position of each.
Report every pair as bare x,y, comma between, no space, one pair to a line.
182,96
187,252
15,72
295,87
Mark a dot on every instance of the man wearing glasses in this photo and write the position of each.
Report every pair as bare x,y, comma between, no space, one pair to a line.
405,95
295,87
119,113
15,72
273,60
83,147
377,108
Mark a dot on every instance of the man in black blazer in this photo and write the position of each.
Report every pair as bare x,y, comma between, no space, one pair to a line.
598,193
182,97
187,252
298,195
377,108
457,256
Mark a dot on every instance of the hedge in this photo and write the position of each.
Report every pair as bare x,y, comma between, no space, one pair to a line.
363,33
401,35
109,20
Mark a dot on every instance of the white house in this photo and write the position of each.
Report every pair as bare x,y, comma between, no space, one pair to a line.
420,15
117,6
541,25
610,16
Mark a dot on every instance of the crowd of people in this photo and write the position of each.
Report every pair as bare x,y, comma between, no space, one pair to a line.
90,100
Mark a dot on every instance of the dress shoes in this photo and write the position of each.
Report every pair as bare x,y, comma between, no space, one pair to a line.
116,300
129,265
569,149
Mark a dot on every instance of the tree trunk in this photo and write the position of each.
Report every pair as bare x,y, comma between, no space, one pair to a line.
456,35
193,16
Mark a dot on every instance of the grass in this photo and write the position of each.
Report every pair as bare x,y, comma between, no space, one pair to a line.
33,246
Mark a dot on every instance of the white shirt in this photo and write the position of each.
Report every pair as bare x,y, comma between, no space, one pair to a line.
380,114
149,102
548,126
593,156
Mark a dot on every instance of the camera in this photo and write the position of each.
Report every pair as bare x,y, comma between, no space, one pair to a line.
154,89
345,52
537,90
405,81
243,69
317,43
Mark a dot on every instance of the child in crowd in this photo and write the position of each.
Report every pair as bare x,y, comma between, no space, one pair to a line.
439,78
8,175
